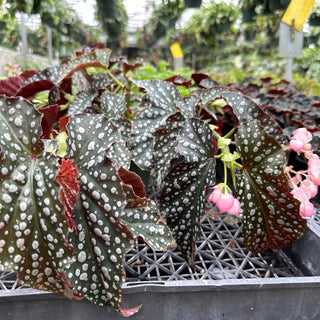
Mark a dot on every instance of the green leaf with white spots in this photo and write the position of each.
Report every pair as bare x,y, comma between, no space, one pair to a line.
269,213
143,220
102,240
33,229
158,104
113,105
244,109
51,73
188,105
165,145
183,191
82,101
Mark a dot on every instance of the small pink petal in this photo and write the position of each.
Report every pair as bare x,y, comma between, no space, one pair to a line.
236,207
309,187
296,145
215,195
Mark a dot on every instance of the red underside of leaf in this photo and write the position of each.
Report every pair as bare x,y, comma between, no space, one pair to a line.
11,85
134,181
34,87
129,312
67,178
50,117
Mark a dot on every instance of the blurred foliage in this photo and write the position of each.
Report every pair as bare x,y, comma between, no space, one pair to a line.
68,31
114,18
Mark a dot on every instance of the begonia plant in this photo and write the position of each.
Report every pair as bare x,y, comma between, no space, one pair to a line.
71,205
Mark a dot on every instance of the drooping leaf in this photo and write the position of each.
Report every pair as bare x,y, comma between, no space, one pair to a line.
183,191
165,145
270,214
96,58
68,179
142,218
33,229
158,104
102,240
179,80
244,108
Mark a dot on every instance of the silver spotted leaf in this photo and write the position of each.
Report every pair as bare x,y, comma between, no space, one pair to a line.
101,240
165,145
158,104
188,105
269,213
142,218
184,187
52,73
113,105
82,101
33,229
244,109
96,58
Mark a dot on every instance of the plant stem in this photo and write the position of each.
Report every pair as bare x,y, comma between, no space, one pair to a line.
114,78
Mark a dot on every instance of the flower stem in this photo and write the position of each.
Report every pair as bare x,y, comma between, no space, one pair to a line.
114,78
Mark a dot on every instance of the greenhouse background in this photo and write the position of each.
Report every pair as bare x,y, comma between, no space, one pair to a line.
228,38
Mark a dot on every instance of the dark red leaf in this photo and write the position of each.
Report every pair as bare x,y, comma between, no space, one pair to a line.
178,80
11,85
34,87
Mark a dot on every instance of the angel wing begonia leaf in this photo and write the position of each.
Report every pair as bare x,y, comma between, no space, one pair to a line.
183,191
244,108
165,145
270,214
33,229
101,240
158,104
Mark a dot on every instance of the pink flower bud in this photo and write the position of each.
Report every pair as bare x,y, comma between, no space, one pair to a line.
225,202
236,207
215,195
306,209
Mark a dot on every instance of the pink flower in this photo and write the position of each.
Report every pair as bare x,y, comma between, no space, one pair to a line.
300,139
224,201
306,209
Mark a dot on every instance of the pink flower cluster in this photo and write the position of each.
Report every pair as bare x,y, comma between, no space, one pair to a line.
224,200
307,187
